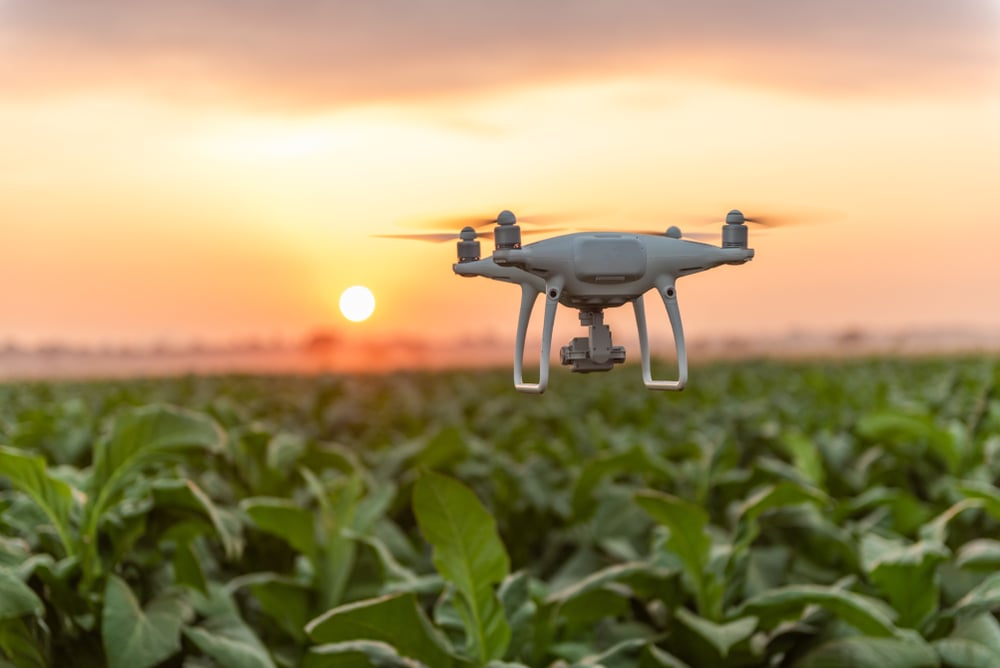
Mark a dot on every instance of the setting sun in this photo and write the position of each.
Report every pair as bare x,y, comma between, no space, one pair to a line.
357,303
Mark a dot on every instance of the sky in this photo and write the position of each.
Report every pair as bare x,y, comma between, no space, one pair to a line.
180,171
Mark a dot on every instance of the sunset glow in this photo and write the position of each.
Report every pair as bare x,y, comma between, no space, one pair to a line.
357,303
192,173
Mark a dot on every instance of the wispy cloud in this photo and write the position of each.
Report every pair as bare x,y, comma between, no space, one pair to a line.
331,53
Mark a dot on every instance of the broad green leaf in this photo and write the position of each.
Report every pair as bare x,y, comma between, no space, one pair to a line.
16,598
144,435
973,643
467,551
357,654
936,531
187,568
59,579
29,473
338,506
689,540
13,550
982,554
283,452
447,447
865,652
654,657
908,512
988,494
396,619
135,637
784,493
372,508
805,456
283,599
910,434
722,637
224,636
140,438
862,612
606,465
983,628
779,495
983,598
622,650
397,578
186,494
965,653
894,566
285,519
596,580
21,646
519,608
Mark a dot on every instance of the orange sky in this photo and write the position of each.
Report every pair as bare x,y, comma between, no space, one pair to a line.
173,172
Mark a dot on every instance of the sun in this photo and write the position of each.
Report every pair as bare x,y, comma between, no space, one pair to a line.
357,303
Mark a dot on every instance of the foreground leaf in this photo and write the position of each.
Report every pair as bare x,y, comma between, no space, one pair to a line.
187,495
974,643
29,473
983,598
21,646
224,636
863,652
141,438
135,637
469,554
357,654
283,518
688,539
723,637
16,598
396,620
894,567
861,612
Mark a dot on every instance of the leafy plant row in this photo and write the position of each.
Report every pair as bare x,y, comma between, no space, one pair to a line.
779,514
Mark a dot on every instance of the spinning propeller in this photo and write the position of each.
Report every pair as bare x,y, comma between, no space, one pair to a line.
505,218
472,223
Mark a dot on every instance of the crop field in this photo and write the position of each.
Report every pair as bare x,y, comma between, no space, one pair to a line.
834,513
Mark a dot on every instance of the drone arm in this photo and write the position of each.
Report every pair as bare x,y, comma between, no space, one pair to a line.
669,294
528,296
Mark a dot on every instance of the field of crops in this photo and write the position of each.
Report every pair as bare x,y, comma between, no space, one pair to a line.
774,514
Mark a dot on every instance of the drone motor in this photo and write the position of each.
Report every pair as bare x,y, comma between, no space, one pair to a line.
468,248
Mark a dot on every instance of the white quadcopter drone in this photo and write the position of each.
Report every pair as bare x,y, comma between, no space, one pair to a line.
592,271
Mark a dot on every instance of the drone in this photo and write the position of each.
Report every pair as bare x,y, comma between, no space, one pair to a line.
591,272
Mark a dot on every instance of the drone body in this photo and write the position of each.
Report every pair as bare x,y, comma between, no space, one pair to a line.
592,271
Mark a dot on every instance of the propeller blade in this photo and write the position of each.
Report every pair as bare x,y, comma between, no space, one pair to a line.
775,221
479,222
438,237
801,217
431,237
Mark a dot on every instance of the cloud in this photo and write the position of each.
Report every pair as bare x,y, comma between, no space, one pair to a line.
328,53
